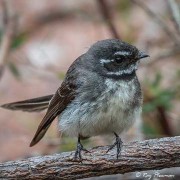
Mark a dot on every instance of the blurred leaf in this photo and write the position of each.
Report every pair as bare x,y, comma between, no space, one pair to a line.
178,73
18,41
69,143
14,70
158,95
157,80
163,99
149,107
177,84
1,33
61,75
123,7
148,130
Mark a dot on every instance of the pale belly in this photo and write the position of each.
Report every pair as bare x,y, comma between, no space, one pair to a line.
109,113
89,123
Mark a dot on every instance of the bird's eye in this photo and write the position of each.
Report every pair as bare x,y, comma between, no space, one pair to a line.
118,59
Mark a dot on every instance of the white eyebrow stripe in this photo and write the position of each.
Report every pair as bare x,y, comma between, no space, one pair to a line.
123,53
105,61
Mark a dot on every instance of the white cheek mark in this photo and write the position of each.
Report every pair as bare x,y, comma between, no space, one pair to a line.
129,70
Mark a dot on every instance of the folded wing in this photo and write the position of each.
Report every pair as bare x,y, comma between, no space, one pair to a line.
63,96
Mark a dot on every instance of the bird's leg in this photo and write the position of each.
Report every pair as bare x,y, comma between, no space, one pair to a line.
79,149
118,144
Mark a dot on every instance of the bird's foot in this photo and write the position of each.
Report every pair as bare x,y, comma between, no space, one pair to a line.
79,149
118,143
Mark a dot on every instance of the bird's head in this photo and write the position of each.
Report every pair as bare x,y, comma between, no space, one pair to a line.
115,58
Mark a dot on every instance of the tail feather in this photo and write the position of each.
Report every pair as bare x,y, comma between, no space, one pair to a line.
30,105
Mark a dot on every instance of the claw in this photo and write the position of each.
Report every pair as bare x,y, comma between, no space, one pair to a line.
78,150
118,144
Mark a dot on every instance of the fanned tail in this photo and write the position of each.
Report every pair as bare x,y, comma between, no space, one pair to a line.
30,105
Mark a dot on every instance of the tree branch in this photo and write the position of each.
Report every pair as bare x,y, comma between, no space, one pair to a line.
135,156
158,20
175,13
171,52
105,11
9,23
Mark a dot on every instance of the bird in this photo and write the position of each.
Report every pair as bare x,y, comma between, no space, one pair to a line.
100,95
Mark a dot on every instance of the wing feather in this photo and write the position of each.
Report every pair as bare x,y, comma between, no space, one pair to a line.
63,96
30,105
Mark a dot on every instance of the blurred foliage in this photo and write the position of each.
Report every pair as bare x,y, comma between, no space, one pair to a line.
123,7
18,41
14,70
157,102
1,34
61,75
149,130
157,95
69,143
177,84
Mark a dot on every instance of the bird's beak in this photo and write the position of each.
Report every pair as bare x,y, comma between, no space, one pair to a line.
142,55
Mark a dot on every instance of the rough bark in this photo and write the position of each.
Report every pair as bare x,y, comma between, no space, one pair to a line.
135,156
